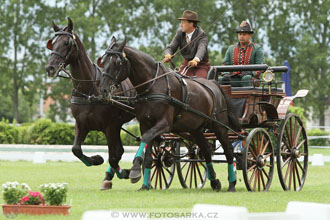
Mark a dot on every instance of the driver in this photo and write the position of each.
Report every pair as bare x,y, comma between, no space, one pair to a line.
196,58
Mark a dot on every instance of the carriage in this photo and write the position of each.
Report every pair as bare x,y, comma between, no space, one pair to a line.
269,136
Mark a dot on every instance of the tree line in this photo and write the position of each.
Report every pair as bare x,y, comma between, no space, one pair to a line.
297,31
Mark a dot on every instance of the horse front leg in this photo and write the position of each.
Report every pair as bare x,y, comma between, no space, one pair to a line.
222,136
147,138
80,135
115,152
204,147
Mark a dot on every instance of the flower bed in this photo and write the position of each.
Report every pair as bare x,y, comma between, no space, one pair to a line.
20,199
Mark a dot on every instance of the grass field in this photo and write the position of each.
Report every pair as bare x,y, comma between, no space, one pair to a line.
84,193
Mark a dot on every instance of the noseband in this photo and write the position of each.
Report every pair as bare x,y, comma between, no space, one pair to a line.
121,59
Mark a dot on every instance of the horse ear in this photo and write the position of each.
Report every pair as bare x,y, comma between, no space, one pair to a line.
55,27
122,45
50,45
99,62
113,40
70,25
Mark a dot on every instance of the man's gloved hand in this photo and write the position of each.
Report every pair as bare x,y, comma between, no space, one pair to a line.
246,73
167,58
193,62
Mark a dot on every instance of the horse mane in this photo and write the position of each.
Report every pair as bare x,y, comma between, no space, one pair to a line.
83,52
142,54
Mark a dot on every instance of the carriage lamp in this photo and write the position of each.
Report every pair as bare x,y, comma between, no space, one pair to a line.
268,76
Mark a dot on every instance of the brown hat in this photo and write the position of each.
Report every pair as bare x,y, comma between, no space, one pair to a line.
189,15
244,27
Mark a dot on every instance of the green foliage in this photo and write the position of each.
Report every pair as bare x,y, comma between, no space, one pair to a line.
57,133
127,139
318,142
36,130
298,111
95,138
13,192
54,193
8,133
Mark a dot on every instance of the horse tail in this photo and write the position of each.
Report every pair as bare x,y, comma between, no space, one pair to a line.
234,122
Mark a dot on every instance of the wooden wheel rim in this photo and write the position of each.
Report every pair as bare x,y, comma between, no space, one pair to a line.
292,148
258,160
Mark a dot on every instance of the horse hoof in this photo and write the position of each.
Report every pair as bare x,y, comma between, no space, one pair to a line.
135,173
231,187
97,160
127,172
106,184
135,176
144,188
216,185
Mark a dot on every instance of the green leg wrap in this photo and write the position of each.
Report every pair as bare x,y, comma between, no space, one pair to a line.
231,173
110,173
120,173
209,169
85,160
139,153
146,177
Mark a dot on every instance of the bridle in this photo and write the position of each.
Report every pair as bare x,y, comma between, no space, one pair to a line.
72,42
120,61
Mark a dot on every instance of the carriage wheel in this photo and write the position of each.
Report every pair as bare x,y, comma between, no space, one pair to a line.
191,167
258,160
292,153
163,167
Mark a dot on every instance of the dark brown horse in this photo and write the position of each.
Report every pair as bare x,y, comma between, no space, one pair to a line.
168,102
67,49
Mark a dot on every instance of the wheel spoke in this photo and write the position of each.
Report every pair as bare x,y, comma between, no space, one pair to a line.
258,143
254,150
195,176
153,174
191,174
185,178
252,167
165,181
156,178
289,144
185,164
263,181
259,180
267,155
302,169
297,137
291,137
261,143
265,147
200,174
170,172
290,174
160,179
285,141
255,180
264,171
294,176
287,171
298,177
287,160
252,175
301,143
294,133
251,160
253,154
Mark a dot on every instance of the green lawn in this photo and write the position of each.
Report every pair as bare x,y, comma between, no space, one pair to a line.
85,195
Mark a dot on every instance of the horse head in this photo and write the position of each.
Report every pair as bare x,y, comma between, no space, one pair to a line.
64,49
116,67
